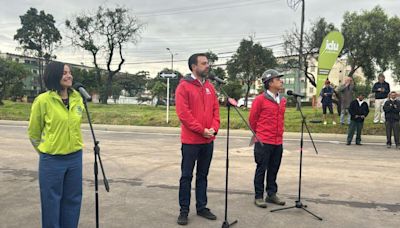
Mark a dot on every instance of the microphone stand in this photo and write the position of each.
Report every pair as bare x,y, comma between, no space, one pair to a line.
298,203
230,102
96,156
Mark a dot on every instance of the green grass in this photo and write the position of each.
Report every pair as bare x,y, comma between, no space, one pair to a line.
142,115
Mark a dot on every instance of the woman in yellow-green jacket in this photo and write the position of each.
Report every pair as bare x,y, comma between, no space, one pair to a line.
55,133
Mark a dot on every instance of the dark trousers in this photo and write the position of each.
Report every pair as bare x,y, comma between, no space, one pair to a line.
355,126
202,153
392,126
60,180
268,159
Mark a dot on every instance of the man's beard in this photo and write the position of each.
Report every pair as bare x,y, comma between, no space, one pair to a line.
203,74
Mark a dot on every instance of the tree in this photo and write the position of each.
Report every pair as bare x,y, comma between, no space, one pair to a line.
173,82
159,90
38,36
234,89
312,42
11,74
212,57
134,84
371,39
393,42
249,62
85,35
108,31
86,77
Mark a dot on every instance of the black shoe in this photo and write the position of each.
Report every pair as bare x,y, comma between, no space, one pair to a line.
358,144
389,146
206,213
183,219
348,143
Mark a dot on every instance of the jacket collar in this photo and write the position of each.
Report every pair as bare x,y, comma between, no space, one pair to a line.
73,95
268,97
192,80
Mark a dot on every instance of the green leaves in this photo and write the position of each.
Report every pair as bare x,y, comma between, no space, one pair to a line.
11,74
372,39
38,33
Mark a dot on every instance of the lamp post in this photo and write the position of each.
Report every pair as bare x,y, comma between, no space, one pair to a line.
172,69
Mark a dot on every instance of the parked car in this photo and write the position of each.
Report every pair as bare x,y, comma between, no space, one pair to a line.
249,102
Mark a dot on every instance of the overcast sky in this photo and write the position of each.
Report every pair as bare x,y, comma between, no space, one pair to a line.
186,27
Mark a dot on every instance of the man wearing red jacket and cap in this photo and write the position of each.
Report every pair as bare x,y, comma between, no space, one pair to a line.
267,120
198,110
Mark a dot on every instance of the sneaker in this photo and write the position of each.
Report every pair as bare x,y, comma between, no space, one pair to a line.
274,199
358,144
182,219
206,213
325,122
334,123
260,203
397,147
389,146
348,143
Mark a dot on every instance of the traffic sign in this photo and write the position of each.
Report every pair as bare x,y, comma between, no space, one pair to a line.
168,75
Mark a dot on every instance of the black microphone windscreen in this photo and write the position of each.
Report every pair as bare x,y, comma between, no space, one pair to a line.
77,85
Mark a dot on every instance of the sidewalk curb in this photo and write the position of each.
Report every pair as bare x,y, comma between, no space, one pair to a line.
222,132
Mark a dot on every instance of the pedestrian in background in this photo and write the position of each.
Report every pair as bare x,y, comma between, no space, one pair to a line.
359,111
381,90
326,94
392,117
346,97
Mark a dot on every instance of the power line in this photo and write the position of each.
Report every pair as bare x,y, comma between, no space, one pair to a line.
201,8
184,60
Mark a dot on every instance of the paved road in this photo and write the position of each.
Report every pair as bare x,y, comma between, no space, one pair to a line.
348,186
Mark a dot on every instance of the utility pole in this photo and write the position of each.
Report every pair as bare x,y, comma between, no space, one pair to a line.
172,69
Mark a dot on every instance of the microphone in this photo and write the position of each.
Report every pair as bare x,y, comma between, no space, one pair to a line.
79,87
291,93
215,78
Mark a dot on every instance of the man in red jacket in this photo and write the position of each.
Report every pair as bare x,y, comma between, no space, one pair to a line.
267,120
198,110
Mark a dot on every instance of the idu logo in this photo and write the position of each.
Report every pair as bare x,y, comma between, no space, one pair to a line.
331,46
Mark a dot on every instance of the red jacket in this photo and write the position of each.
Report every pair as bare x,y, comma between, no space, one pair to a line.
267,118
197,108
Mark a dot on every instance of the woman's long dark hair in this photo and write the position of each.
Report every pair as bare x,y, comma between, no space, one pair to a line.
53,74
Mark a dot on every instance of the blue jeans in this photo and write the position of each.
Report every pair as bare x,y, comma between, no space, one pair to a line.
268,159
344,111
202,153
60,181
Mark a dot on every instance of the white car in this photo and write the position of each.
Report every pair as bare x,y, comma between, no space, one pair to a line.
249,102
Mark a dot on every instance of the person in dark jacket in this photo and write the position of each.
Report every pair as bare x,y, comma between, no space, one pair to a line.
198,111
392,117
326,94
266,118
381,90
358,111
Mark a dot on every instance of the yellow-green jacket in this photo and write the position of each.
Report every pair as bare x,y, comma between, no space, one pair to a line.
54,129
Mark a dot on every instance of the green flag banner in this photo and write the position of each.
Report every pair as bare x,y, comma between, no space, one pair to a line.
328,53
